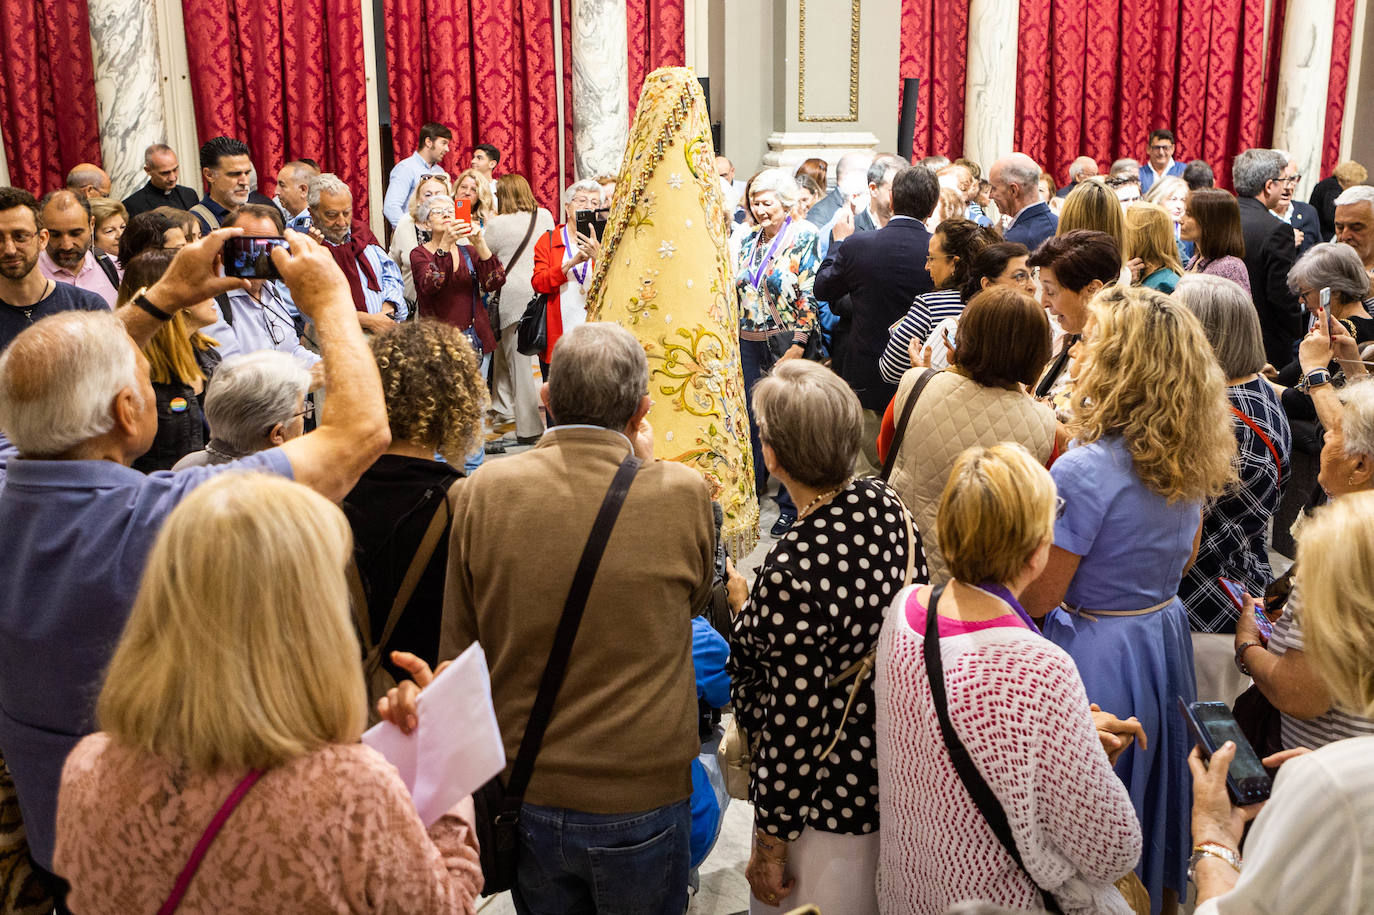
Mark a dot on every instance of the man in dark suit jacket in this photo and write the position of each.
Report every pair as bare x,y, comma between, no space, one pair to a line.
1015,183
881,272
161,165
1269,251
1301,216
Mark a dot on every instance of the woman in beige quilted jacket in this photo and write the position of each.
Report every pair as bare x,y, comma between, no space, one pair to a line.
1001,346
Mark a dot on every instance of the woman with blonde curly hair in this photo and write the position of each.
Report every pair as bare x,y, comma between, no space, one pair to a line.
230,715
1153,444
435,399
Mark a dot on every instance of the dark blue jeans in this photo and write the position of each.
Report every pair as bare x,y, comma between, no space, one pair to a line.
631,863
756,360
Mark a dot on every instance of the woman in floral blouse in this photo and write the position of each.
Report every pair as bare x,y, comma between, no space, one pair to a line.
774,275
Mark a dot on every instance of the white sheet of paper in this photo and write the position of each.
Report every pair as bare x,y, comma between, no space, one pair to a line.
456,747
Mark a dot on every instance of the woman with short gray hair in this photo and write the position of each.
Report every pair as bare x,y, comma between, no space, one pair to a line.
774,275
255,401
1233,544
802,649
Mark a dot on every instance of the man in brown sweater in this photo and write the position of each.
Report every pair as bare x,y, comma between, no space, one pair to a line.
606,822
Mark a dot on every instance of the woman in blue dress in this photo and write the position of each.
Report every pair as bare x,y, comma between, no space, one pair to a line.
1152,444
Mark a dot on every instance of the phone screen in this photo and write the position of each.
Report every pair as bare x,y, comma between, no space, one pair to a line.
1237,595
1214,724
251,258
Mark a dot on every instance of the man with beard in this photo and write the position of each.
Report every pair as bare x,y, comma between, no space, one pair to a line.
68,256
26,294
227,170
373,277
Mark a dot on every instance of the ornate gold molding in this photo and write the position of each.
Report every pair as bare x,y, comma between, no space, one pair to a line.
853,68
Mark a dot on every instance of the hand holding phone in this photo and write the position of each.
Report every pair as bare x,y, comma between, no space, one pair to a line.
1213,725
1244,603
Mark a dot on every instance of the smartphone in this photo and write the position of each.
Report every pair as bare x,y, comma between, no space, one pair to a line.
251,258
462,210
1213,725
1325,298
1237,595
592,223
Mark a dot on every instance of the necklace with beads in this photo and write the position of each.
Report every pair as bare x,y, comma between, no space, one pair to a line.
828,494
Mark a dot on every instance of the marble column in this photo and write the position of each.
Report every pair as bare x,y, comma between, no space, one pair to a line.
4,165
128,87
990,85
601,86
1304,70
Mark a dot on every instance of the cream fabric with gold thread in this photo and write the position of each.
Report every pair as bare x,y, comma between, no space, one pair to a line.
666,276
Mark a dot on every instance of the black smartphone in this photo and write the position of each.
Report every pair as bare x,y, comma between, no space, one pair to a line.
1213,725
592,223
251,258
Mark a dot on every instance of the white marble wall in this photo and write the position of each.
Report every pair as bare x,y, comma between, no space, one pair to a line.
990,87
128,87
600,91
1304,70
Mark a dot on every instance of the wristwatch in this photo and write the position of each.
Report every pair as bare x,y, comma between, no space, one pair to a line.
1315,379
1211,850
1240,656
140,300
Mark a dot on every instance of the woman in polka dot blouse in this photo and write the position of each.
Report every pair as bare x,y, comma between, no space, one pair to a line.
814,614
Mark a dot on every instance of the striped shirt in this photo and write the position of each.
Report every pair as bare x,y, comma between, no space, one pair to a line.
1326,728
928,310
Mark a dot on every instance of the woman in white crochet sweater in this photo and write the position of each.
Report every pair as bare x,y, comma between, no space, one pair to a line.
1017,705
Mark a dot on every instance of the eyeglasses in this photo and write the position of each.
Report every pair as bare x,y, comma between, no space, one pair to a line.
943,257
308,412
1294,179
1162,147
1021,277
19,238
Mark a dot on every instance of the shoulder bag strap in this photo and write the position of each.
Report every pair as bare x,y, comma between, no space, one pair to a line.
103,261
1268,443
977,787
529,233
900,432
226,310
568,624
188,872
203,212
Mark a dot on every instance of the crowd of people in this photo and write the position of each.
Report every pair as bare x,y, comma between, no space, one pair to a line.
1034,448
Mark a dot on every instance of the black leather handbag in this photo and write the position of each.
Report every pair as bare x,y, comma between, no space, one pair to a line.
533,333
498,806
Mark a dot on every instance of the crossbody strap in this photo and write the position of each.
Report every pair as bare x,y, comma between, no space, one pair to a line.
203,212
529,233
1268,442
188,872
372,652
900,432
975,784
568,624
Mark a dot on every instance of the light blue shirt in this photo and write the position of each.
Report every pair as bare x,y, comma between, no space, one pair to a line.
77,538
389,278
404,176
260,326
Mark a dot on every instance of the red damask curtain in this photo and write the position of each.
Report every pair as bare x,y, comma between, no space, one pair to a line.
1096,76
1335,91
484,68
47,91
934,49
287,78
656,32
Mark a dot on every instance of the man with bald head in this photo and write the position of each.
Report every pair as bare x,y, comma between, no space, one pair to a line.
293,187
89,181
26,295
163,169
1080,169
68,256
1015,183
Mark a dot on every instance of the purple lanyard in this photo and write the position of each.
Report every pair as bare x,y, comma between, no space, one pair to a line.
997,590
568,246
768,257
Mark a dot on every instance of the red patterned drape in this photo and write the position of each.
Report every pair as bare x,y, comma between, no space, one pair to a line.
1096,76
47,91
934,49
287,78
656,32
484,68
1335,90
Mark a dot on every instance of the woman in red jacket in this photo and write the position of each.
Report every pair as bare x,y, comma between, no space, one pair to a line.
564,262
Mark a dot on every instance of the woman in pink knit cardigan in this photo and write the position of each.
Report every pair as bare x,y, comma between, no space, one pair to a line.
1014,701
231,713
